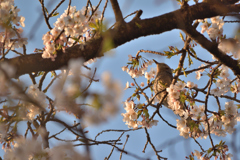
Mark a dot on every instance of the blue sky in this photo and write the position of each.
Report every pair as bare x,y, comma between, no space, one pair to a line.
163,137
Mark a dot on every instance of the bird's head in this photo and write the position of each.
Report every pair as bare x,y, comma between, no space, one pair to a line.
162,67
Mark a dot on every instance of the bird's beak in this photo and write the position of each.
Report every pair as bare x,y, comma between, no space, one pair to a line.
155,61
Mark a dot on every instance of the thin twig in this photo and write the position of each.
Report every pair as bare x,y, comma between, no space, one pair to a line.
206,104
104,8
153,147
41,80
57,6
113,147
44,14
127,136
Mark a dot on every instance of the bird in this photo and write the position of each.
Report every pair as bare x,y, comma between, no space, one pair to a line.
162,81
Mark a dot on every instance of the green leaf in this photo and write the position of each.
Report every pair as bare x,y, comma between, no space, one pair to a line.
107,44
55,52
97,22
214,153
193,52
176,49
35,124
38,50
184,72
82,140
138,25
75,39
46,10
140,106
15,127
92,25
190,62
174,71
53,74
238,106
221,112
191,158
182,97
138,97
221,142
96,102
145,111
59,47
181,36
55,14
40,73
169,54
137,63
139,113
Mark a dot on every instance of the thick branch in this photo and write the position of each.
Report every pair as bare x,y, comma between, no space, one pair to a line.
132,30
213,49
117,11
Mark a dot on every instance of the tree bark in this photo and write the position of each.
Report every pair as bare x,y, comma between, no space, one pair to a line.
179,19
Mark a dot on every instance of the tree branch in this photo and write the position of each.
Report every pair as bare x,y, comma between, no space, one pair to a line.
134,29
212,47
117,11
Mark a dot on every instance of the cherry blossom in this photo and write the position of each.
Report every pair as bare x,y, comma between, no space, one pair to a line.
71,24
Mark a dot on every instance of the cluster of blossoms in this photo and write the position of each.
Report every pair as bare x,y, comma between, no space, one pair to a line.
220,154
175,92
72,27
10,37
223,85
219,124
132,85
151,74
133,112
138,68
37,95
215,30
230,46
176,98
194,121
135,71
199,72
28,110
70,88
148,75
32,149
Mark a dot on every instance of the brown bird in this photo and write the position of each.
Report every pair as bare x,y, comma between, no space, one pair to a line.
162,81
